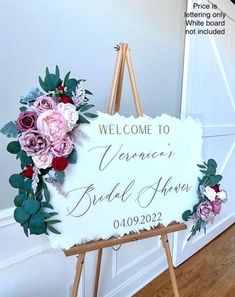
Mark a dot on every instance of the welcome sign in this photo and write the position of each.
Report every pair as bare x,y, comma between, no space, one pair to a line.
131,174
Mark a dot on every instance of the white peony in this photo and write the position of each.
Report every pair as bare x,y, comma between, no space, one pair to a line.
222,195
210,193
42,161
69,112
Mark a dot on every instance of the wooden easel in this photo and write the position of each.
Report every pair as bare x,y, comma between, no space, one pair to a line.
80,250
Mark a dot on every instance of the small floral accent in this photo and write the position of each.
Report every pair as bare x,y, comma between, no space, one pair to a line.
210,198
47,132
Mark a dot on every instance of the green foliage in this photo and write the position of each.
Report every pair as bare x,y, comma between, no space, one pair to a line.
20,215
19,199
23,108
85,107
16,181
33,209
13,147
10,130
90,115
30,97
31,206
210,179
46,193
82,120
72,158
186,215
51,81
24,159
60,175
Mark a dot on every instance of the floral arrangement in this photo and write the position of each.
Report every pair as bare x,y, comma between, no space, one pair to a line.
210,198
47,130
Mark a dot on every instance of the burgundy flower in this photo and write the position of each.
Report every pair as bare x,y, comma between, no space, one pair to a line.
216,188
205,211
28,172
59,163
26,120
60,88
33,142
65,99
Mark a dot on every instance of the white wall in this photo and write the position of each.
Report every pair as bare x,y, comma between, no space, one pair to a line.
78,36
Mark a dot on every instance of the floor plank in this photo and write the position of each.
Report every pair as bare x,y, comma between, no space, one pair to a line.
208,273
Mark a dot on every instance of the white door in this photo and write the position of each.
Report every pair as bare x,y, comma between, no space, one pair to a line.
208,94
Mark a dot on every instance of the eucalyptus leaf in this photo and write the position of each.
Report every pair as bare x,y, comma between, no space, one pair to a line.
10,130
19,199
31,96
16,181
31,206
72,158
23,108
20,215
14,147
212,162
60,175
28,185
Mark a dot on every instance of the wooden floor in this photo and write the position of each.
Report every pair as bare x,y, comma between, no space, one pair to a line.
209,273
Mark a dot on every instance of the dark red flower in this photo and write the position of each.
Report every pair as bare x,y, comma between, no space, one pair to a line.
28,172
65,99
27,120
59,163
216,188
60,88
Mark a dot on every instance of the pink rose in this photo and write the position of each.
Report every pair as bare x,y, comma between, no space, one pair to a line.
42,161
205,211
62,147
216,206
52,124
44,103
33,142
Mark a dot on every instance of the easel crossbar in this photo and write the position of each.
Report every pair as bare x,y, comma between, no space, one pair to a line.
97,245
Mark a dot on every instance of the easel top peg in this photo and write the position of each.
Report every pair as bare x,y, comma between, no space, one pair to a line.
123,57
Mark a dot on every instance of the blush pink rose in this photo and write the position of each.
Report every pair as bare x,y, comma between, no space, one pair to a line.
216,205
52,124
44,103
205,211
33,142
62,147
42,161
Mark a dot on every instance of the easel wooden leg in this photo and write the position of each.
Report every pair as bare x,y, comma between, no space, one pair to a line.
77,278
97,276
170,264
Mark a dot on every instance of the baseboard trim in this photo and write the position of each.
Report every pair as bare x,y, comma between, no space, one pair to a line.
6,217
